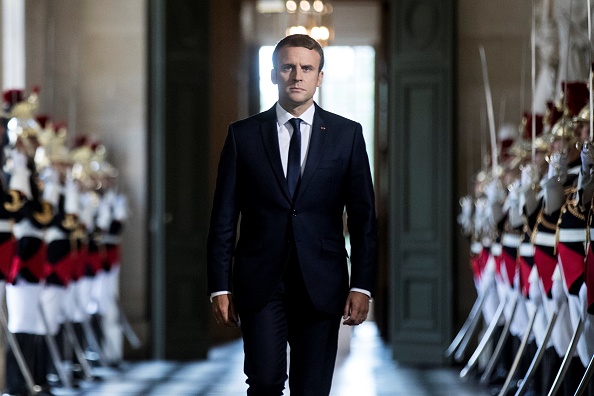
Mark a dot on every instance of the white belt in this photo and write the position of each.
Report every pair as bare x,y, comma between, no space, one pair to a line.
24,228
476,247
54,234
496,249
544,239
111,239
5,226
526,250
572,235
511,240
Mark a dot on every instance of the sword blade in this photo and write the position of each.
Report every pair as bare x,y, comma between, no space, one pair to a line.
539,354
499,348
53,350
80,355
521,351
33,388
567,359
476,310
484,341
127,328
586,378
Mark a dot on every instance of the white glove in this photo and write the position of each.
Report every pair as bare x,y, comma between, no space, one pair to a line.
587,158
494,192
585,179
120,208
512,205
20,174
528,194
558,167
71,196
51,186
480,216
465,216
552,185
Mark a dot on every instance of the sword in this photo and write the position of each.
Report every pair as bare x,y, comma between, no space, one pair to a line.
53,350
583,387
78,351
539,354
567,359
127,329
33,388
499,348
519,354
459,356
93,342
484,341
467,326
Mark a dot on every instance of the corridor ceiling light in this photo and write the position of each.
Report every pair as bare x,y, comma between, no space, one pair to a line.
304,5
320,33
291,6
297,30
313,18
270,6
318,6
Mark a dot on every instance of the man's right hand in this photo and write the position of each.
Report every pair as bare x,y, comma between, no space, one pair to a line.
224,310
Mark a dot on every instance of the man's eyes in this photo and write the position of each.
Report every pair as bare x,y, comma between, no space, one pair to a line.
290,68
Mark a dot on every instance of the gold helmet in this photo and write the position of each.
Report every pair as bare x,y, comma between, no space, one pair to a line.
22,127
583,115
564,129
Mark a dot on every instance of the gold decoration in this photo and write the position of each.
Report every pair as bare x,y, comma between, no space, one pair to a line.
45,216
17,202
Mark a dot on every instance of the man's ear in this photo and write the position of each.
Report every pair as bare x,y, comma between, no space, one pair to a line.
273,76
320,78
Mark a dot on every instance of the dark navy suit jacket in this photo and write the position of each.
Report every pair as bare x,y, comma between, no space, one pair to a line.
251,188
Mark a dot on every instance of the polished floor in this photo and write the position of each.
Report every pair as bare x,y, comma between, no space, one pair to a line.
364,368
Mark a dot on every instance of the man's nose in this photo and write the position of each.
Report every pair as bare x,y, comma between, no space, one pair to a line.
297,76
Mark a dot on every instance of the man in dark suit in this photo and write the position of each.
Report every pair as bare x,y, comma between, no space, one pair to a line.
288,173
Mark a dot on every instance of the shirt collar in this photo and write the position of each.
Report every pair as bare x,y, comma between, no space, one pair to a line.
283,116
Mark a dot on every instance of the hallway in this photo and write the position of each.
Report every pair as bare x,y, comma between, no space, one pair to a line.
365,370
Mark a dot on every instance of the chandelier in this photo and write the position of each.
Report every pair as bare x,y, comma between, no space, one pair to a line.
313,18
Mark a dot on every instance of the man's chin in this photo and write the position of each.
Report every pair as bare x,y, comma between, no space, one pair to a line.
297,100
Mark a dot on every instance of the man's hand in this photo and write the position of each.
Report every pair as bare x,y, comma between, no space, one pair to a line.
224,310
355,309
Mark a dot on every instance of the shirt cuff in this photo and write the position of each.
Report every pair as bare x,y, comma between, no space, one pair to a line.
366,292
219,293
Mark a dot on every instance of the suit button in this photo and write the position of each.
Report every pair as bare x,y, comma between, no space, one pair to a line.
294,213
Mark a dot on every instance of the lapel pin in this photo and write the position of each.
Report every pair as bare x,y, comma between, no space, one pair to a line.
323,128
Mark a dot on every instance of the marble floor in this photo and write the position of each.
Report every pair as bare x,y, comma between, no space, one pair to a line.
364,368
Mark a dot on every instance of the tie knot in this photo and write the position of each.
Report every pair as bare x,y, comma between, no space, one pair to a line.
296,124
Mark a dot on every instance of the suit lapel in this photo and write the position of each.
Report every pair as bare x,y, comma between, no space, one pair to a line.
317,142
269,133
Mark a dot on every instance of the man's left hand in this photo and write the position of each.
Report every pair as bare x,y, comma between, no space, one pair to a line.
355,309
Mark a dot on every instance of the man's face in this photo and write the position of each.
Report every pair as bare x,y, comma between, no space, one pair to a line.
297,76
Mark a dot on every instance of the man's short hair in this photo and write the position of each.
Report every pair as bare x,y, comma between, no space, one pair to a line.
299,40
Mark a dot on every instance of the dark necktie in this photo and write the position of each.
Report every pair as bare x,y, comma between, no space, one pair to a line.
294,160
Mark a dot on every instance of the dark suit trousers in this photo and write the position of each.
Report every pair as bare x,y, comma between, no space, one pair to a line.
313,337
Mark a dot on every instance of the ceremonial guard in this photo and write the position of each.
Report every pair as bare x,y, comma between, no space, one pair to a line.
31,211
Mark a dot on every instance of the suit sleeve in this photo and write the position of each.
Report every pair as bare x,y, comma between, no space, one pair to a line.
361,217
223,221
